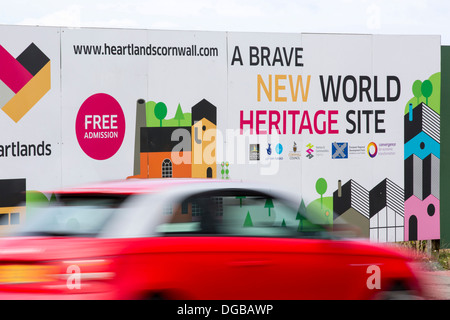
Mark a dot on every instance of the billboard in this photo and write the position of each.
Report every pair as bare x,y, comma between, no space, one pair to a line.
349,123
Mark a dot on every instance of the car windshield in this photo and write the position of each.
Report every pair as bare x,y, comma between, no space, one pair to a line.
237,213
70,215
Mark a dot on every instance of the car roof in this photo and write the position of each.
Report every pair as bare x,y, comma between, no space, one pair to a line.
136,186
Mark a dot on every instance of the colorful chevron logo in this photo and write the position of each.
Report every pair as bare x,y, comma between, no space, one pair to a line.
309,151
23,80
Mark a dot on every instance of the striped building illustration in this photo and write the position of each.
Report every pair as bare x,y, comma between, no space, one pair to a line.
378,212
351,205
422,163
386,212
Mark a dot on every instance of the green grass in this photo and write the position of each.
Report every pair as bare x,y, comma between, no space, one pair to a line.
434,101
152,121
319,208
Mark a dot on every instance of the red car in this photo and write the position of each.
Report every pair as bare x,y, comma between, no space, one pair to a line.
191,239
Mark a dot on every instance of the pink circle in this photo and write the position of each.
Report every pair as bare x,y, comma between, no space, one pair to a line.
100,126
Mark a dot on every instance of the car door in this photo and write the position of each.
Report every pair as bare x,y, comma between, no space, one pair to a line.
272,254
242,244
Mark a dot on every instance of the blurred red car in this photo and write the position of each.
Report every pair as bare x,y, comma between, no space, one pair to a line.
191,239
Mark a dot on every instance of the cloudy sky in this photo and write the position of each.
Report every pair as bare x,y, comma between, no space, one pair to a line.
293,16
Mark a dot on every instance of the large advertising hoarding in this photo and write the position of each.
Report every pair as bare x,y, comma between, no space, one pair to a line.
348,123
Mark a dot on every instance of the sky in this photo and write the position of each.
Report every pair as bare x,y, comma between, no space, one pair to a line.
423,17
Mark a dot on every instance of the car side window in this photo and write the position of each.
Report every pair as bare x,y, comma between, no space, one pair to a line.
236,213
193,215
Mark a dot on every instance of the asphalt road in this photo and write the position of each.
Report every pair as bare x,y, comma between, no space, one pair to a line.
437,285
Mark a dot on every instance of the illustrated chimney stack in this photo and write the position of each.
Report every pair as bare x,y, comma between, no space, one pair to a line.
141,121
339,188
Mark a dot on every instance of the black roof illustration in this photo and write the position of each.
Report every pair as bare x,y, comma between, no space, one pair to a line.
160,139
204,109
423,119
12,192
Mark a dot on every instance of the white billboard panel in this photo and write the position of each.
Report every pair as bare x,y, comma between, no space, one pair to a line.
266,89
30,120
349,123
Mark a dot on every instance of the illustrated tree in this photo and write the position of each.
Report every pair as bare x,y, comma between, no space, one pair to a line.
179,115
427,89
321,188
248,220
225,171
301,215
240,200
160,112
417,89
268,204
53,198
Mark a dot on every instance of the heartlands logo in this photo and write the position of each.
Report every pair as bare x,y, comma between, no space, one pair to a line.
23,80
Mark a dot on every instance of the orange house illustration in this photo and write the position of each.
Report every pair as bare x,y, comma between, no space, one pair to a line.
163,152
12,203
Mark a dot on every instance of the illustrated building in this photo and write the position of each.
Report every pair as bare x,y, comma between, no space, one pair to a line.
351,205
378,212
204,125
386,212
391,213
12,200
156,158
179,151
422,162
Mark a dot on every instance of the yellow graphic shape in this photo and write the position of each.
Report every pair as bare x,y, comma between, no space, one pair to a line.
4,229
29,95
204,149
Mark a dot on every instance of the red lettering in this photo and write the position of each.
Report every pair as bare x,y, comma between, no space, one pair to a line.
274,123
293,113
323,122
260,121
246,122
302,124
324,127
332,121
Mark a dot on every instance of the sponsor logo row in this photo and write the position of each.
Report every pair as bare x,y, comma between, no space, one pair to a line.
337,150
277,152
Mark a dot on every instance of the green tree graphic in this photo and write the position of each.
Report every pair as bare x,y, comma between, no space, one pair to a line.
268,204
179,115
417,89
240,200
248,220
321,188
427,89
301,215
160,112
426,92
